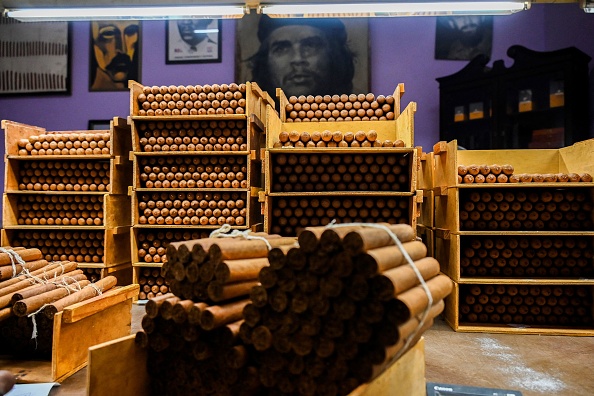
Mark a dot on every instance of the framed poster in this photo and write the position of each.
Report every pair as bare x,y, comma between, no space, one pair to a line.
115,55
303,56
463,37
193,41
34,57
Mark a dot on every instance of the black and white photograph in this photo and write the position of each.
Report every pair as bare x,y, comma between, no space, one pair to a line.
34,57
303,56
193,41
463,37
115,55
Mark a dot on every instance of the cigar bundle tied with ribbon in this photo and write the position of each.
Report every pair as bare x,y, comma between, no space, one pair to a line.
323,316
32,291
192,333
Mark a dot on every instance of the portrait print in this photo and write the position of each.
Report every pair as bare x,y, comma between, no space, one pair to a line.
115,55
463,37
321,56
193,41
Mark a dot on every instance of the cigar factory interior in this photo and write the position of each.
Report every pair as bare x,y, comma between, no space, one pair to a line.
253,198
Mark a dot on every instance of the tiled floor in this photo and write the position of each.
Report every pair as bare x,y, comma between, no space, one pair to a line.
532,364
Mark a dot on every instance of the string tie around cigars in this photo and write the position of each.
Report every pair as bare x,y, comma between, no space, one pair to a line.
223,232
412,336
14,256
97,289
34,322
56,275
73,286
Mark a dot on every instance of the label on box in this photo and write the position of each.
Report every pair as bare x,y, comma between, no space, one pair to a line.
459,114
475,111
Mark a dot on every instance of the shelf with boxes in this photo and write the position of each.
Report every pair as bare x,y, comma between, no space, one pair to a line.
523,230
197,166
66,193
349,169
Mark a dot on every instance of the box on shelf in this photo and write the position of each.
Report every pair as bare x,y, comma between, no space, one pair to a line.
573,318
577,158
400,128
404,377
76,328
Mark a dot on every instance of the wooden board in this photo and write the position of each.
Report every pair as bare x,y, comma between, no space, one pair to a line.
427,236
452,317
427,212
426,170
119,368
577,158
98,320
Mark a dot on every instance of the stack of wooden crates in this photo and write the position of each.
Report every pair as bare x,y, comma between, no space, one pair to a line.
151,237
529,278
101,247
288,212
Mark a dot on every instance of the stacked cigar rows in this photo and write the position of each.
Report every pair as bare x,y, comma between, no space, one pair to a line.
553,305
41,288
327,138
505,174
66,143
192,99
78,246
526,209
152,245
63,176
152,284
184,136
340,172
192,208
330,314
193,341
529,256
291,215
60,210
361,107
194,172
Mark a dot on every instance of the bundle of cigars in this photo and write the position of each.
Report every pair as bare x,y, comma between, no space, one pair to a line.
32,292
271,316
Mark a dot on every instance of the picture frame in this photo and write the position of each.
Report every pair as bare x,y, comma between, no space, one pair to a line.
26,74
115,54
355,30
99,125
193,41
463,37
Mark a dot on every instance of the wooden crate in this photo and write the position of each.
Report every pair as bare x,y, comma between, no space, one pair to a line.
453,315
450,249
577,158
116,212
76,328
303,153
119,367
116,242
270,202
119,137
447,207
253,218
256,102
123,272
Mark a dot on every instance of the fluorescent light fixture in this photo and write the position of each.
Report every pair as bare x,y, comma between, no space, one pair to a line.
394,9
132,13
206,31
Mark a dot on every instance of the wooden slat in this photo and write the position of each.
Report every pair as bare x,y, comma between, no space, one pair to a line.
84,309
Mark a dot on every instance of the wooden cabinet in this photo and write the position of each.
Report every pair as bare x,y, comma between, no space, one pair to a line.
540,101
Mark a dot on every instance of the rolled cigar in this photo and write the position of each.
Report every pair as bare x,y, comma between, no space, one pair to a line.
235,249
66,279
32,304
468,178
370,238
310,239
26,255
5,313
573,177
484,170
507,169
462,170
473,169
180,311
221,292
585,177
496,169
403,278
220,315
166,308
387,257
46,272
414,301
6,272
239,270
195,312
86,293
153,305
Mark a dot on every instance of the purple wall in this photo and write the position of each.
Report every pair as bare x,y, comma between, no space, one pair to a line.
401,51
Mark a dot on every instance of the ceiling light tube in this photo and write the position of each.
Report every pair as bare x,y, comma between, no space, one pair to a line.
132,13
394,9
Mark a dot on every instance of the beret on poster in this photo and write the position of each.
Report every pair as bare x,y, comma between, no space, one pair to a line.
334,27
